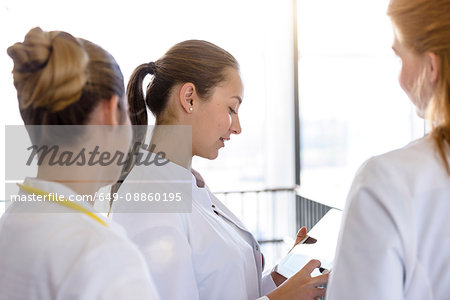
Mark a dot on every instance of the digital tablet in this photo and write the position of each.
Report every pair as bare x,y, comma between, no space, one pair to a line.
326,232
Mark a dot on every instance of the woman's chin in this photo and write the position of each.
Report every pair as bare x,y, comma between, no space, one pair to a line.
211,155
420,113
421,105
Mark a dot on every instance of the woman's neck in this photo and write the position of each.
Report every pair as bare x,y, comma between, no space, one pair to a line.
174,142
72,177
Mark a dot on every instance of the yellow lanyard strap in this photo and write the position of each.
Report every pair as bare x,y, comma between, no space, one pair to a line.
69,204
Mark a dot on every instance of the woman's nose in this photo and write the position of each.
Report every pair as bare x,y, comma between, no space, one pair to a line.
235,125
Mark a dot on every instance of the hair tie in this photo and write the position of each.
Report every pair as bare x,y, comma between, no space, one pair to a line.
151,67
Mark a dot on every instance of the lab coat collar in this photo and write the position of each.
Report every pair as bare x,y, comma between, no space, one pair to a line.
173,171
61,189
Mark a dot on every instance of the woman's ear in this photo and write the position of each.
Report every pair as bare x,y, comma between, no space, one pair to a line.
111,110
106,113
432,67
187,97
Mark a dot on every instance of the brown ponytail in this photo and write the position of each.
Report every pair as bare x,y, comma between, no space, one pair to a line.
137,107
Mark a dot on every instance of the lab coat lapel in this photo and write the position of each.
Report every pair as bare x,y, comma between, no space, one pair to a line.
228,215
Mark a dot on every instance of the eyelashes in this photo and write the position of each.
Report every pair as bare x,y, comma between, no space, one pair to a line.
232,111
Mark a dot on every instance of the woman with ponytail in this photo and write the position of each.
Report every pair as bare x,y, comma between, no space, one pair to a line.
53,244
395,240
203,252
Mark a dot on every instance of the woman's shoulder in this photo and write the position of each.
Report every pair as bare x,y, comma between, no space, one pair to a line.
154,189
408,172
71,233
417,155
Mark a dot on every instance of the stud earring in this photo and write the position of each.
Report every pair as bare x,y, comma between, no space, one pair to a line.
191,109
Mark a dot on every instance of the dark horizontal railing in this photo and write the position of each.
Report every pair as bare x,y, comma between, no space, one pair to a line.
274,215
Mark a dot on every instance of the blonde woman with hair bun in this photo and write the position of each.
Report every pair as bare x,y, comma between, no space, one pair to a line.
60,248
395,239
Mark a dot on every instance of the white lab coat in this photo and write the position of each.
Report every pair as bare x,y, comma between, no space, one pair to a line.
395,236
65,254
197,255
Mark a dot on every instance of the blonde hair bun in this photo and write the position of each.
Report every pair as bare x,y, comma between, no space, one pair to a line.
49,69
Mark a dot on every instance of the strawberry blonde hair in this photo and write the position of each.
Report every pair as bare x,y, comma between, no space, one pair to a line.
424,26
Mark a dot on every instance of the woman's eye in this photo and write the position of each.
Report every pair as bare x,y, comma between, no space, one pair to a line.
232,111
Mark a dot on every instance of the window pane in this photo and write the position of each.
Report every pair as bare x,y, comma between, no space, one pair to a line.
351,106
